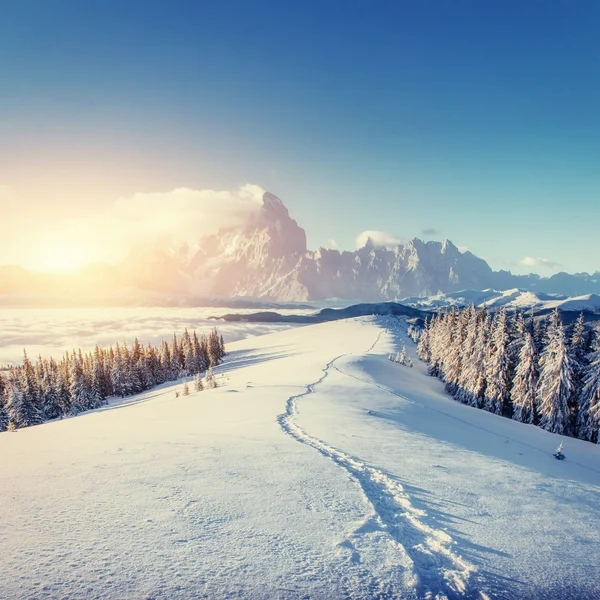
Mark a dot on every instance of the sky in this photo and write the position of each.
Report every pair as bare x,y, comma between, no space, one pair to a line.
473,121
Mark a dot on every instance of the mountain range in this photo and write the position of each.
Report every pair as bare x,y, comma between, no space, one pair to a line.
267,257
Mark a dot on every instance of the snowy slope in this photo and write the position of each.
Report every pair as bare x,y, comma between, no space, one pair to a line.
319,469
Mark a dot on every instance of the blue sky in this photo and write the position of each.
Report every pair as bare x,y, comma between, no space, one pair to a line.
479,120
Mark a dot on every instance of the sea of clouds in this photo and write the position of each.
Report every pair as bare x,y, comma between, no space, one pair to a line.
54,331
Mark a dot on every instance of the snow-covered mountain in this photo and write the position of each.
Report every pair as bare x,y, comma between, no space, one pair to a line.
512,299
268,258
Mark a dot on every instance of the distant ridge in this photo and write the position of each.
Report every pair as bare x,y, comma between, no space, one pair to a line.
330,314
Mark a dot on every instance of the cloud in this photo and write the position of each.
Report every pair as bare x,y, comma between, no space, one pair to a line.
463,249
185,213
182,214
331,245
431,232
379,239
539,263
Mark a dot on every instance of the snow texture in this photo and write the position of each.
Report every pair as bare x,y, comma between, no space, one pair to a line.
317,469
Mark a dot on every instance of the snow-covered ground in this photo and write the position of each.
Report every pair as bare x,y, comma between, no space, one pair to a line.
318,469
54,331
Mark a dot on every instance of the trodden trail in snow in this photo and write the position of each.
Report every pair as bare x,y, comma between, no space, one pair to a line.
438,572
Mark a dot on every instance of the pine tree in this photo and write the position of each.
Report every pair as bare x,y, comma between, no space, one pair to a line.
519,329
16,409
50,398
205,353
191,364
423,347
165,362
79,396
214,348
176,360
474,382
579,347
63,387
98,386
556,381
187,352
119,373
402,357
453,360
497,367
436,345
523,393
30,412
186,389
211,382
198,385
134,364
3,403
446,342
466,354
588,413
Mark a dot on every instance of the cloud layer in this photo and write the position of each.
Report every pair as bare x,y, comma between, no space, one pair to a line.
52,332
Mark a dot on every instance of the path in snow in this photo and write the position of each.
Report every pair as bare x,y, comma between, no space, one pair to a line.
437,571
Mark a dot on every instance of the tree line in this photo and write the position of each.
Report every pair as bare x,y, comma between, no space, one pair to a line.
535,371
32,393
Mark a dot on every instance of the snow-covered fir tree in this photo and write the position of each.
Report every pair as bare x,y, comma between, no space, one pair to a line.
467,354
453,359
198,384
556,381
588,410
518,366
33,393
524,389
474,382
423,347
579,349
497,367
3,400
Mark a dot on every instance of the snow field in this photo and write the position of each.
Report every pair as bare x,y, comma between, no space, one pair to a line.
319,469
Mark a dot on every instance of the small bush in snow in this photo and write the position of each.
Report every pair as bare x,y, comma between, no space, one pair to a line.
401,358
558,454
211,381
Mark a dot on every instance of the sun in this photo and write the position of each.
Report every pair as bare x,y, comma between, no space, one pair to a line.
61,256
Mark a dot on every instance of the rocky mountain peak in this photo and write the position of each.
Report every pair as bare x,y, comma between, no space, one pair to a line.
273,205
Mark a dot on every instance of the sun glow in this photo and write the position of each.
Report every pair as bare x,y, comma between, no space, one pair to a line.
61,256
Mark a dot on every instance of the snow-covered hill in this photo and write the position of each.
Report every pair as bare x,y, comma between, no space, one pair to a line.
515,298
318,469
